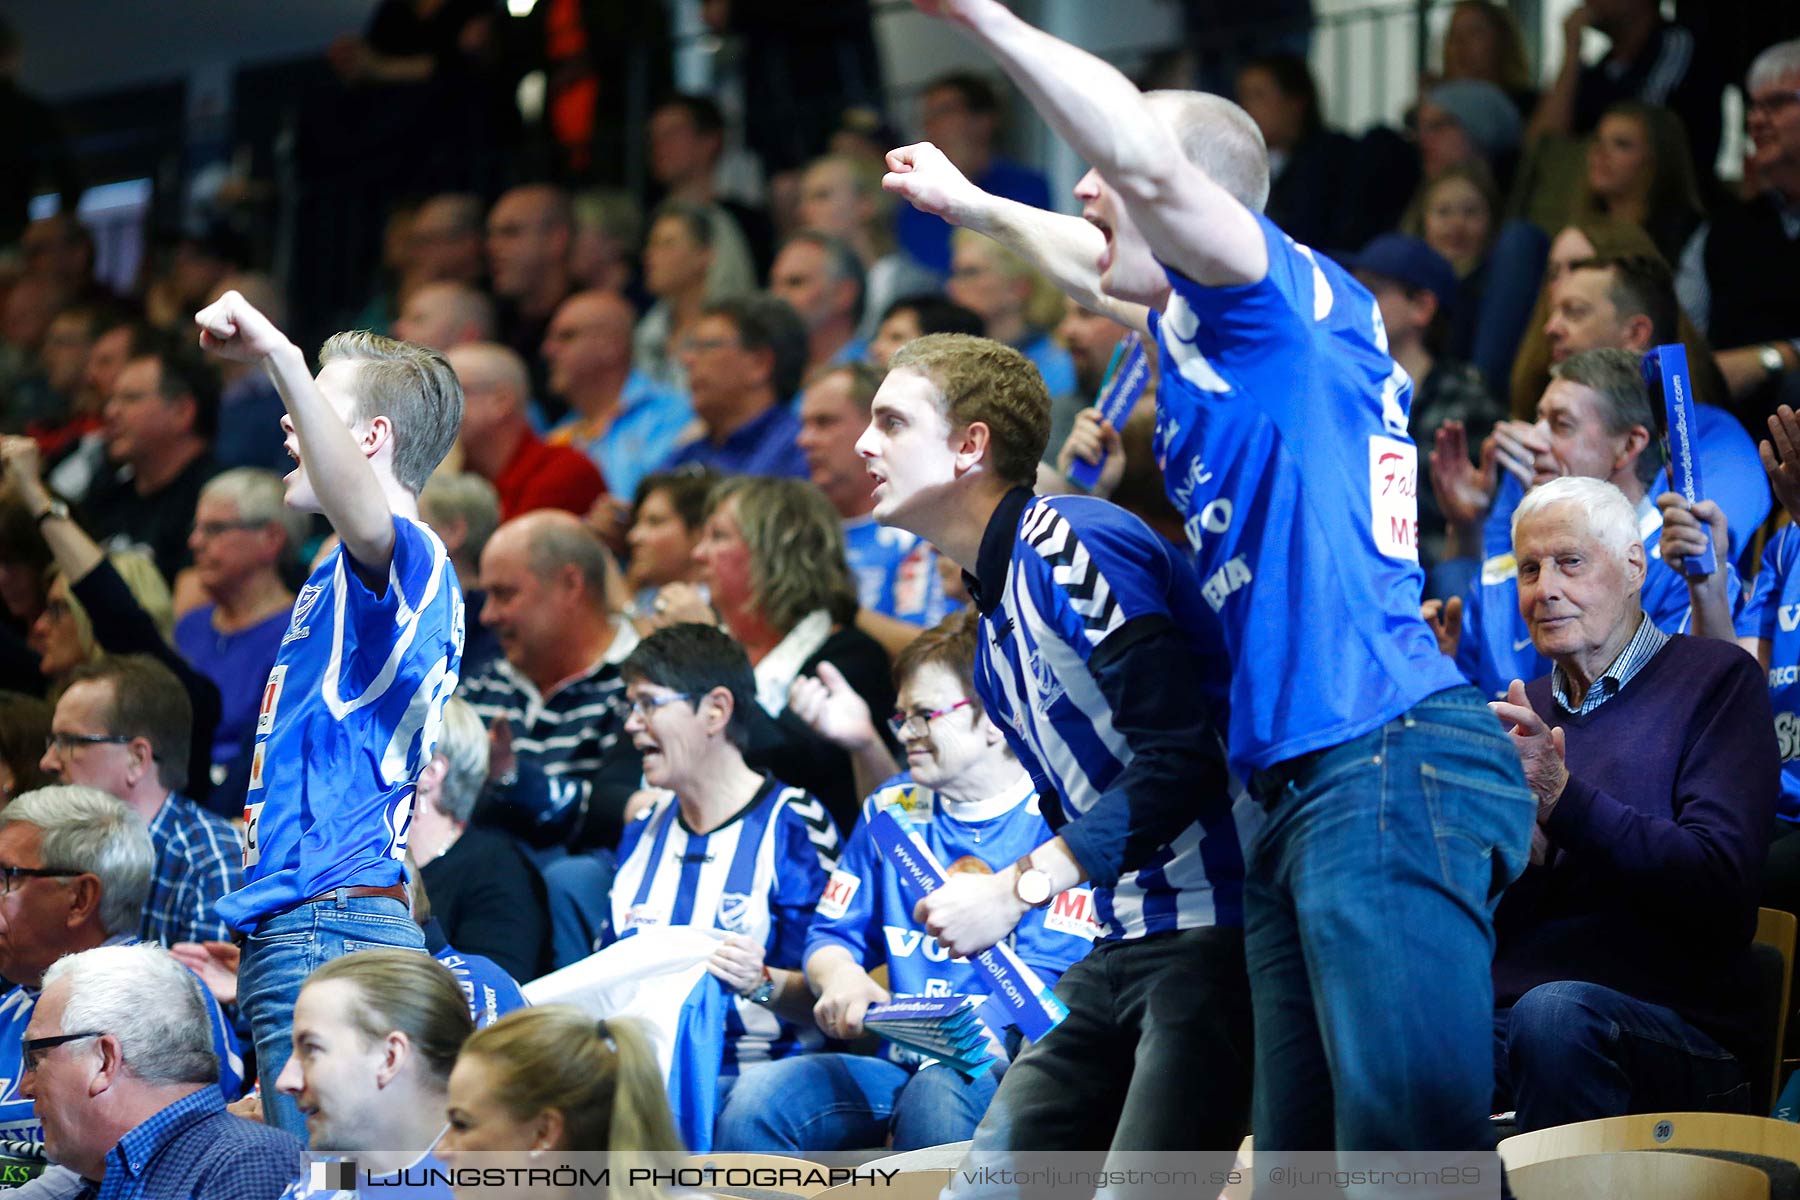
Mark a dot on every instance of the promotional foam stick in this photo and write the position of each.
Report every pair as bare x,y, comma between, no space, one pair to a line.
1129,377
1033,1007
1666,370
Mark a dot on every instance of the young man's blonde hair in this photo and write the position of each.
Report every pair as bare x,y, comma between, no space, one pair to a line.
414,388
979,379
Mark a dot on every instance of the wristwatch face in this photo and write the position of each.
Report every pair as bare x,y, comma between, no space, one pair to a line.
1771,359
1034,887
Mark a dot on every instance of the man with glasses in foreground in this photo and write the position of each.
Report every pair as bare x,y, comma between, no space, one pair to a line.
119,1065
75,867
121,725
977,810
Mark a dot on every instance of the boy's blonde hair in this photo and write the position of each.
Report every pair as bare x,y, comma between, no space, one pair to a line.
414,387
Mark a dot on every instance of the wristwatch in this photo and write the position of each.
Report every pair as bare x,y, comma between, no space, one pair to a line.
56,509
1770,355
765,990
1031,886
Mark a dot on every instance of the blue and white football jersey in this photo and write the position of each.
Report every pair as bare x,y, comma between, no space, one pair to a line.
865,910
1281,430
349,717
1773,612
1496,647
760,875
895,572
1080,569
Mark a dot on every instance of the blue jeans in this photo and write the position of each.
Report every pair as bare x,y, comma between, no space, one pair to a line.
850,1102
1369,931
579,889
278,957
1571,1051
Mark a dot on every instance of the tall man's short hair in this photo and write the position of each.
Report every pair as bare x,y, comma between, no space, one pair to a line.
1617,378
1642,285
145,700
414,388
181,375
765,323
979,379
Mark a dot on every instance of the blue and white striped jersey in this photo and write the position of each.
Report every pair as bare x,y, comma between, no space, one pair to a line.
349,717
760,875
1078,572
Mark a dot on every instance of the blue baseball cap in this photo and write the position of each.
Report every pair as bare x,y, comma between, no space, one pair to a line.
1408,260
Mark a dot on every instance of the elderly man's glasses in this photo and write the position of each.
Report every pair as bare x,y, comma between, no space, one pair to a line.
907,725
32,1049
9,874
1772,103
212,529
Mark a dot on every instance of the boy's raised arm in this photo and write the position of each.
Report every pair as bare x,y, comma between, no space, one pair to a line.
334,458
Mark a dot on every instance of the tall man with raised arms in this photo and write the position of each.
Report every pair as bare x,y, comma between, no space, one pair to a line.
351,712
1394,814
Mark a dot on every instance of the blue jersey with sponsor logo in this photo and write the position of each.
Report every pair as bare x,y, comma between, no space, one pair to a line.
18,1122
1080,569
895,572
1281,431
1773,612
760,875
349,717
865,910
490,991
1495,647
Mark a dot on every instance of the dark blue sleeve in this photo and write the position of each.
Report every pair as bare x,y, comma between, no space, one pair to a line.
1176,775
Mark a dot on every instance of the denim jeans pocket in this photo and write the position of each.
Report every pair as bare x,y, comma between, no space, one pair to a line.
1482,828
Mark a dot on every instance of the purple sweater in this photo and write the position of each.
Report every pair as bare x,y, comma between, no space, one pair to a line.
1658,842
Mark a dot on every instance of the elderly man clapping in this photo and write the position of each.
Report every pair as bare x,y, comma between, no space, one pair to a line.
1622,970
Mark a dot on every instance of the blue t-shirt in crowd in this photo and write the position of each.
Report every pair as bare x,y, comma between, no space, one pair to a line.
1773,612
1052,362
896,572
760,874
766,445
238,663
865,910
349,717
1282,435
1495,647
1076,572
642,435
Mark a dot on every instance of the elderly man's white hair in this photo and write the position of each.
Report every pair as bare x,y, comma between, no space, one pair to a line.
146,999
1611,518
1780,62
